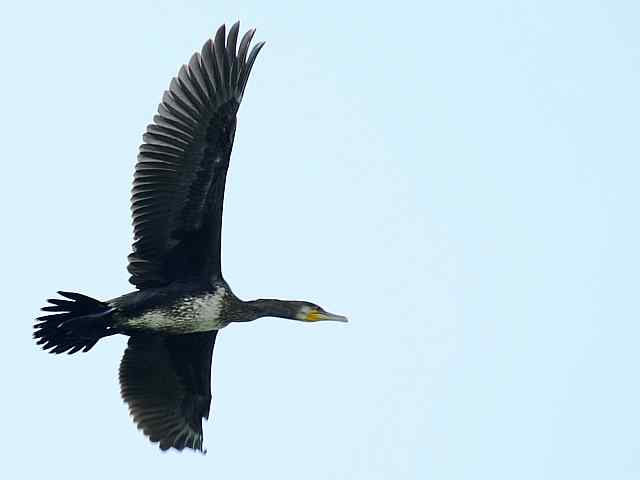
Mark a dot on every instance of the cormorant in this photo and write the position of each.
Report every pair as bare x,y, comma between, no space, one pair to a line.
182,299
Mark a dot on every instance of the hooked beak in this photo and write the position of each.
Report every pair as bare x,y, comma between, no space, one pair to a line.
317,316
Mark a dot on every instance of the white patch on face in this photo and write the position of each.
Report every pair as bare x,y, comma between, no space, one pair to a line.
303,312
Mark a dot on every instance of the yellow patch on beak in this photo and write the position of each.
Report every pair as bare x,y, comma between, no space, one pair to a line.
314,315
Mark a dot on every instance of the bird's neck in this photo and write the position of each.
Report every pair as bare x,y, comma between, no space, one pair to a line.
270,307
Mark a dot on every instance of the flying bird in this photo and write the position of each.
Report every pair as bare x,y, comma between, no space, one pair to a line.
181,299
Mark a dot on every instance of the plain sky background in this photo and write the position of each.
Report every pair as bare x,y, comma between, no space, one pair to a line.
460,178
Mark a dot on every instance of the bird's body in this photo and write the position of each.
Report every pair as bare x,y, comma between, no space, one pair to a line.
182,299
181,308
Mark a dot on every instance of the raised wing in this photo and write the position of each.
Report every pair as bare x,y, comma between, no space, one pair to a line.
178,188
166,381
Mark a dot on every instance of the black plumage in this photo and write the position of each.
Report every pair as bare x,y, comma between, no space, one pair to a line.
182,299
166,380
178,187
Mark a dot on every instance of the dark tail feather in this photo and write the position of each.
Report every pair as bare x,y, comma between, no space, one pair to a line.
76,324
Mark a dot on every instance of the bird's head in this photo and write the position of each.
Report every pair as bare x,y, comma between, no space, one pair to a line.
291,309
310,312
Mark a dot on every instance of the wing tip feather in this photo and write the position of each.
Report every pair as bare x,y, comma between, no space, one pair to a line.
214,78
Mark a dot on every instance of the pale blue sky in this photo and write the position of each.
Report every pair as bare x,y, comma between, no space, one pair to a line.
460,178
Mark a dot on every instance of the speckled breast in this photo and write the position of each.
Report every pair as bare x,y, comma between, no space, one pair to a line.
189,314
